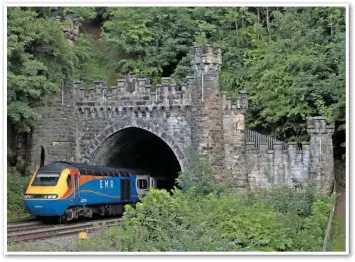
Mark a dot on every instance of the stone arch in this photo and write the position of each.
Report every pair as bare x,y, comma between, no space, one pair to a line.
137,123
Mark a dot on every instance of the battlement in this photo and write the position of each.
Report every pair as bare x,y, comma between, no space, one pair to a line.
241,103
133,92
206,54
319,125
277,146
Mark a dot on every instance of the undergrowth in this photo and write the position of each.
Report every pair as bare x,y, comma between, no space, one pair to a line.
207,217
16,187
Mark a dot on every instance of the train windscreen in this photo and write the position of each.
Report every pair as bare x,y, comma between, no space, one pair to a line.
46,179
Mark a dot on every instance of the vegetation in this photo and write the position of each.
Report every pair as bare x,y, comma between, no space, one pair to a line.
337,241
213,219
16,187
282,219
293,55
191,222
39,59
12,247
198,176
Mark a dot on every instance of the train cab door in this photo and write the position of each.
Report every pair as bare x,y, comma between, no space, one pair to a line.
75,181
153,182
142,184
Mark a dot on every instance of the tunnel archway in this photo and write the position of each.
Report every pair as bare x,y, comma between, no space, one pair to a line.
137,148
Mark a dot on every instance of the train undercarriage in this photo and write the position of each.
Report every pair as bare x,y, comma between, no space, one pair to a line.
85,212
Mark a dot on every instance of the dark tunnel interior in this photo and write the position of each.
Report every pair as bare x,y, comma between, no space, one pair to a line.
137,148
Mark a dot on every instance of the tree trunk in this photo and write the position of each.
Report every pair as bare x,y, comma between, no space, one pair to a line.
11,144
236,21
267,23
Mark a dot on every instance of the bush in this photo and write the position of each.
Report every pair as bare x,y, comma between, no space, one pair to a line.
204,216
16,187
162,223
188,221
297,201
198,175
340,173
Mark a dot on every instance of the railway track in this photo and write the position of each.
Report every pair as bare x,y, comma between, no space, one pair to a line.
15,227
25,231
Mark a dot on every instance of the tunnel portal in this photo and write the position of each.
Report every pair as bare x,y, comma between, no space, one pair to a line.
138,148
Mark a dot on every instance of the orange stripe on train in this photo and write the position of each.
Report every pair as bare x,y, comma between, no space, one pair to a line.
87,178
83,179
94,192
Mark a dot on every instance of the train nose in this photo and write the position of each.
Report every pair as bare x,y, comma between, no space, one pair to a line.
45,208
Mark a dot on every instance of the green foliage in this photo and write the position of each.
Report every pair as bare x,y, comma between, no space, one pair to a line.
340,173
197,175
150,39
16,187
93,64
293,67
38,59
190,221
85,12
295,201
308,234
292,55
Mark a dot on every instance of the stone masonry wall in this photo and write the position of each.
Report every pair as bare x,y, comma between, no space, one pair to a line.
55,131
235,168
196,113
101,111
282,165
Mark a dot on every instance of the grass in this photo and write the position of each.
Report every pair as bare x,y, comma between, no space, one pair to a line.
338,235
337,241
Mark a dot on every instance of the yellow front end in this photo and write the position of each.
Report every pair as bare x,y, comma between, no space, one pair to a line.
59,189
45,199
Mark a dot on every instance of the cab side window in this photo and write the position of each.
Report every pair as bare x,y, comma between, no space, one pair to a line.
142,184
69,181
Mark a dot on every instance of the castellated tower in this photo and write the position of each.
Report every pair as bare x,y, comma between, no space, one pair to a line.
206,111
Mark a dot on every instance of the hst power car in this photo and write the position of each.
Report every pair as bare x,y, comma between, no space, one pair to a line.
64,191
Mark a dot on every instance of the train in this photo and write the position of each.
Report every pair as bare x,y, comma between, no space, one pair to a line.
63,191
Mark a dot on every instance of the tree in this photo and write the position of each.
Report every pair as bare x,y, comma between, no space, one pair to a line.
39,58
292,55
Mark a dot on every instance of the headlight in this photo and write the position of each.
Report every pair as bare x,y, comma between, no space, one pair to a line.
50,196
40,196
